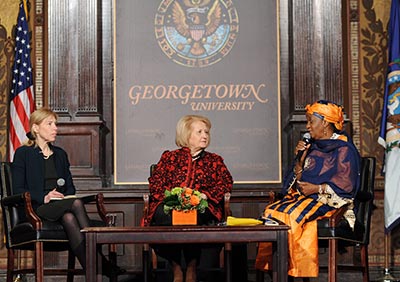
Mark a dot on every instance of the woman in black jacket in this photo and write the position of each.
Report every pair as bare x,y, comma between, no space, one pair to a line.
43,170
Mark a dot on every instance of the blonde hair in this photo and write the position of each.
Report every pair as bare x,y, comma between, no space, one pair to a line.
184,128
37,117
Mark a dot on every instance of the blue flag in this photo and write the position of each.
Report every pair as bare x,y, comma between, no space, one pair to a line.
389,136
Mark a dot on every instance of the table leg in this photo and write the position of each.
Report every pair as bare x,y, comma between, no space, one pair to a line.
91,257
281,255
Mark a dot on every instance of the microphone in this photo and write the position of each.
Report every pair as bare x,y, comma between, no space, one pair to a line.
307,139
60,185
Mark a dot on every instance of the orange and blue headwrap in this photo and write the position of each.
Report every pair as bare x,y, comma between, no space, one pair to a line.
328,111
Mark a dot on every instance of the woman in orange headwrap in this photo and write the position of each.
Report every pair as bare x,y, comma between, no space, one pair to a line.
323,179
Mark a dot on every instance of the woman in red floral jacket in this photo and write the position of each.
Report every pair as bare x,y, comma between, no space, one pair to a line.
190,166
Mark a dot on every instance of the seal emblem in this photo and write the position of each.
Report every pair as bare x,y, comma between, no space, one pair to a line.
196,33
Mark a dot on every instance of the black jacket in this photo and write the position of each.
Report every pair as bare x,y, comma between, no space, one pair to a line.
28,172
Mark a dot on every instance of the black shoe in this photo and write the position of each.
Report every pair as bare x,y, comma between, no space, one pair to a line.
111,270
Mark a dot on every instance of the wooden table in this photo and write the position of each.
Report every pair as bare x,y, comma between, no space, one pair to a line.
187,234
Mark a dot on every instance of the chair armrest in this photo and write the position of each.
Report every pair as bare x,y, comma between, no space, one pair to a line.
101,208
13,200
271,196
146,203
24,200
227,205
31,215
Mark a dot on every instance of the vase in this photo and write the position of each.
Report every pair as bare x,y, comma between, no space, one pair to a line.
184,217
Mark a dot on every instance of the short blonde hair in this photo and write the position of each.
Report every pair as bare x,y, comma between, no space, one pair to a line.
184,128
37,117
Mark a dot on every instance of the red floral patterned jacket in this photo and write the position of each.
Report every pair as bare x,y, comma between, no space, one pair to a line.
207,174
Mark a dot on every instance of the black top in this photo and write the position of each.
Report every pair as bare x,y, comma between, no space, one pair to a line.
50,174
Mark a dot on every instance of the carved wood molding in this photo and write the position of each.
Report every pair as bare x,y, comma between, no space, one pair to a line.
39,52
373,64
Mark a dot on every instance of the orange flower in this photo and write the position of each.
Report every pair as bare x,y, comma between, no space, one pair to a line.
194,200
188,191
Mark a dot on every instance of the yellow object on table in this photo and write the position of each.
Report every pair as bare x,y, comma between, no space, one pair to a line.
242,221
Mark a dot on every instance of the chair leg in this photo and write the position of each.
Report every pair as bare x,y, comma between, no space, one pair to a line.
259,276
332,270
364,262
222,258
228,262
39,268
10,264
112,256
71,266
154,262
145,261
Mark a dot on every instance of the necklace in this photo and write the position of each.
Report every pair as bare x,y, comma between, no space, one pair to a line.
198,155
46,152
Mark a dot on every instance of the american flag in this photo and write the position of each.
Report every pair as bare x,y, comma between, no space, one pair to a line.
21,100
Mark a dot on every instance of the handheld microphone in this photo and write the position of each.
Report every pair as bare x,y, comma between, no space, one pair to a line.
307,139
60,185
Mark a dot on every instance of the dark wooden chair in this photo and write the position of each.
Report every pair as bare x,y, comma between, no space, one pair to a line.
337,232
150,260
36,234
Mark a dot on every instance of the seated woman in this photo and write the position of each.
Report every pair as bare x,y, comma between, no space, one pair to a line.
323,179
193,167
36,167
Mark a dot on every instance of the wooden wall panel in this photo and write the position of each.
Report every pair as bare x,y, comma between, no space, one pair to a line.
317,59
73,66
73,84
82,141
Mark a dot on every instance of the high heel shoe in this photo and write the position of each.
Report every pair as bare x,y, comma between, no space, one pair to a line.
191,271
177,270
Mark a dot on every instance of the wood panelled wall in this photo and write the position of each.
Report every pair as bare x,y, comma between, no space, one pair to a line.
77,54
322,57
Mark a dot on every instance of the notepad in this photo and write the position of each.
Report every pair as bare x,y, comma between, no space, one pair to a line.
65,197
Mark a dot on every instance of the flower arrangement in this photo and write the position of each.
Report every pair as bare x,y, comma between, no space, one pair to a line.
184,199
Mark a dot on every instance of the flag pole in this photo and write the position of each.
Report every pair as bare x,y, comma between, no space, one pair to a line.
387,277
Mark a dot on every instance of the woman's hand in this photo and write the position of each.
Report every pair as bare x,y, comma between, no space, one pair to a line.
301,146
307,188
53,194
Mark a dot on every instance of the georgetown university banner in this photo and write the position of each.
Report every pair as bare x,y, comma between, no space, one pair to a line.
217,58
